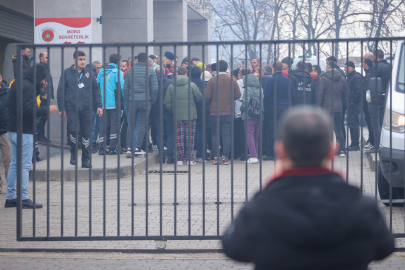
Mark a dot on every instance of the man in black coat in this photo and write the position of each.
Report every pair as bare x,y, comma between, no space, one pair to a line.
30,93
26,53
355,85
79,88
367,65
303,85
308,217
381,69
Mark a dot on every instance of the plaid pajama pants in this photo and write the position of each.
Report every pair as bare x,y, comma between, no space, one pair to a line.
183,140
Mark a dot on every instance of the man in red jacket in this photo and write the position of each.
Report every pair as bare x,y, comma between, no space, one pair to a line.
308,217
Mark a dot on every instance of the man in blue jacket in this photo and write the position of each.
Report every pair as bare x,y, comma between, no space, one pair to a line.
111,81
283,88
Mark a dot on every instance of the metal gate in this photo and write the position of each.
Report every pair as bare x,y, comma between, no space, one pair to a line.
145,199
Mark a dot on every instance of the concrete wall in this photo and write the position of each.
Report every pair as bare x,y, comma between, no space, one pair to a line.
199,30
170,24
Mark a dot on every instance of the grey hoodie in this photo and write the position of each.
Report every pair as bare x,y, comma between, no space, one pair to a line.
331,82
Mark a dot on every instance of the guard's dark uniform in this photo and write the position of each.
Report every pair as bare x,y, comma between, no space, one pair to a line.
84,85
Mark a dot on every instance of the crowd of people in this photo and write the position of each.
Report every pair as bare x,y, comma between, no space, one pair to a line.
189,104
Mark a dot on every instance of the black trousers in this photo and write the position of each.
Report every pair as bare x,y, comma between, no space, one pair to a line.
272,133
368,121
239,138
83,122
354,124
42,121
124,127
110,119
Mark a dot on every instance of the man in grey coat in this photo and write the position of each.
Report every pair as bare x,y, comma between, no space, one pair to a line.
140,90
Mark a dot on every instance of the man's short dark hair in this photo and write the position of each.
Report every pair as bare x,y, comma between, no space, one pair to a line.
76,54
142,57
317,69
115,58
235,72
331,58
268,70
308,67
41,54
194,59
245,71
379,53
278,66
214,67
223,66
301,65
255,58
368,62
23,48
332,64
181,71
124,61
306,134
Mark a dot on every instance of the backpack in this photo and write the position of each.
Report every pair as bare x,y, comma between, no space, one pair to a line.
254,107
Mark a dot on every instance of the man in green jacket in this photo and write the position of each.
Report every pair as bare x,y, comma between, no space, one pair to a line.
181,99
140,90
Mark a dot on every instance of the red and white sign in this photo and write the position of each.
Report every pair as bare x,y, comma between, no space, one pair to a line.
62,30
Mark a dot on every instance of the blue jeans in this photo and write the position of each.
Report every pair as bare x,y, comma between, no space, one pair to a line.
199,140
168,123
95,120
27,151
126,111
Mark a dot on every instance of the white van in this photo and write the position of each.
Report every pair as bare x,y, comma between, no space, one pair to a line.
398,132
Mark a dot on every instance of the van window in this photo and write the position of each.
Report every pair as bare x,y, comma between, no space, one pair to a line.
401,71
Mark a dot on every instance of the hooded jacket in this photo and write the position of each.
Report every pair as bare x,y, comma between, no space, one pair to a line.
303,97
182,98
4,98
70,87
331,91
381,69
309,218
114,79
251,86
355,85
29,100
135,88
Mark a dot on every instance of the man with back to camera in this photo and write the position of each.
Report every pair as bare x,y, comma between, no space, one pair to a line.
308,217
78,79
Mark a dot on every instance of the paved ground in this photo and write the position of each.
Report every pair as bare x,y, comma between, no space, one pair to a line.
185,189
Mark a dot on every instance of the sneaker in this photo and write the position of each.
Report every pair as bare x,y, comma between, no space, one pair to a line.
129,153
101,151
154,147
353,148
252,160
38,159
94,148
113,152
28,204
86,163
170,160
179,163
371,150
139,152
42,138
216,161
72,159
224,161
192,163
199,159
341,153
367,146
243,158
11,203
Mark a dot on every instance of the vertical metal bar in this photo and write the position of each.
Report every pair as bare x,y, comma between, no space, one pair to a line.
189,141
333,106
62,111
261,120
131,125
77,136
118,147
390,166
348,114
275,107
48,131
90,137
218,139
175,141
204,144
105,141
376,146
19,90
146,139
232,130
304,86
362,119
244,99
34,128
289,77
161,150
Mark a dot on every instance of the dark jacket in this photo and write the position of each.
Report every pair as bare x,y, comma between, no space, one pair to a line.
25,63
29,100
282,83
382,69
49,88
366,80
195,78
4,97
331,91
155,109
355,86
166,85
71,87
303,97
309,218
341,72
135,88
